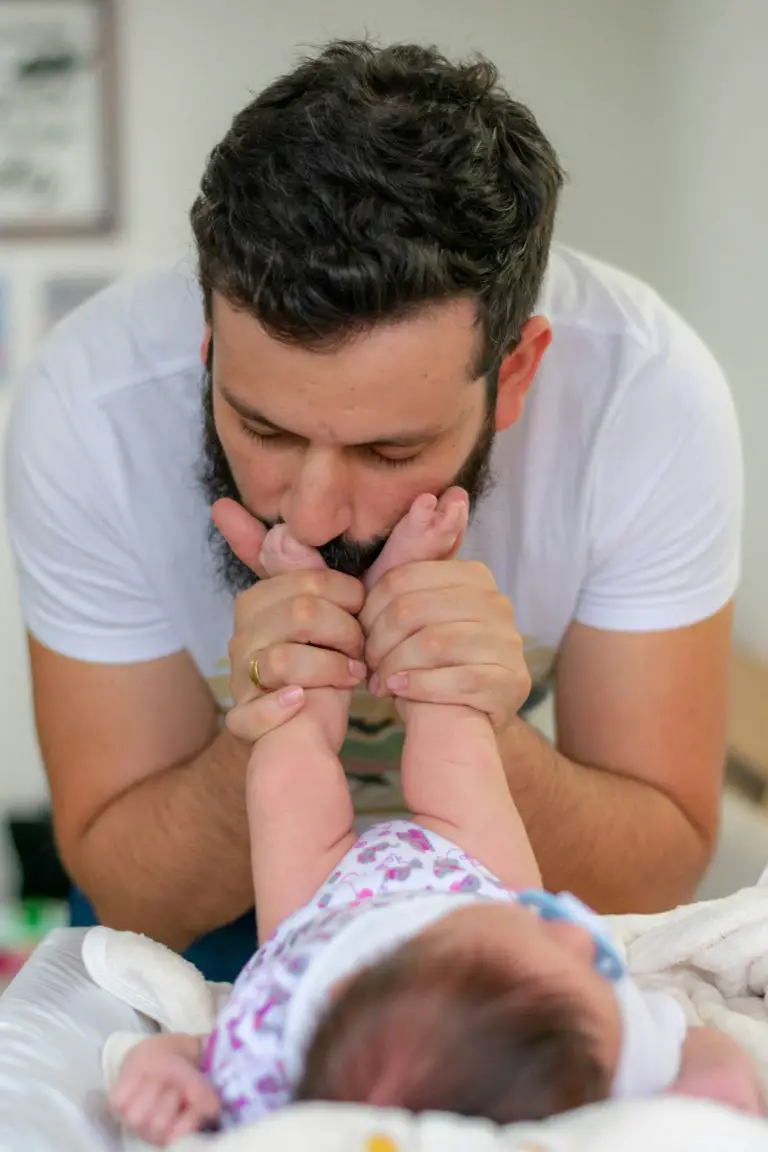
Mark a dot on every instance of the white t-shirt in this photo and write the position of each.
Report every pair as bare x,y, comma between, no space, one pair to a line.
617,502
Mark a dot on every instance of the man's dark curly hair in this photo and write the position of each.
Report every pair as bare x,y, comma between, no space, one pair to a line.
371,182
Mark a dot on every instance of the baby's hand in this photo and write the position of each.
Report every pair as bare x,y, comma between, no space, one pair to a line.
160,1094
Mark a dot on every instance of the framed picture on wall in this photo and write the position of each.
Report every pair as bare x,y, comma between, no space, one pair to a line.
58,131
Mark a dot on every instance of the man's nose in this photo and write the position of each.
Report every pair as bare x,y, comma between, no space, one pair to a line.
318,506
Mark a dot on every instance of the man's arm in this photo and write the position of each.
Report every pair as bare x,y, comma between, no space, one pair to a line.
148,795
624,812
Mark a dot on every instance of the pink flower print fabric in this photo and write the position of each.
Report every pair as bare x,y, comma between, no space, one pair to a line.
245,1056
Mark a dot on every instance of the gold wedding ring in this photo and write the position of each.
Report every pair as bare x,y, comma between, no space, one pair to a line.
253,672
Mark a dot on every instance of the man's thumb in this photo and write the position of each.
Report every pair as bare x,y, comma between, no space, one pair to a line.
243,532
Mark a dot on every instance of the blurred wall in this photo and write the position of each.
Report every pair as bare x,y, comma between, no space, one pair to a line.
639,99
711,72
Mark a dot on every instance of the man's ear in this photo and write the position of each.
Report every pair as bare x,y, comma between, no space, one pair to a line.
518,370
205,347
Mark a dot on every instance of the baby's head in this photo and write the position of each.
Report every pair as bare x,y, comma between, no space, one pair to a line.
490,1012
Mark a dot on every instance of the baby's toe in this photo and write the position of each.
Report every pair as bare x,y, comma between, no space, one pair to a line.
281,553
428,531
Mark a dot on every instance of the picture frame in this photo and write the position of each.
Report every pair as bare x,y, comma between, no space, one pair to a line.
58,119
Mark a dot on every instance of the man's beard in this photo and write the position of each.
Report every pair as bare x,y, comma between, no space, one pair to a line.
344,555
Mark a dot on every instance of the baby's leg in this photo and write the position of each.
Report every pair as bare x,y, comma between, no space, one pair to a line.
299,808
715,1067
452,773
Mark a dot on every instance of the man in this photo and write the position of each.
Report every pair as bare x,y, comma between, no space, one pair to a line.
379,315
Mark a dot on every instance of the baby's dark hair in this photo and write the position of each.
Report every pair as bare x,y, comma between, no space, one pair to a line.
429,1031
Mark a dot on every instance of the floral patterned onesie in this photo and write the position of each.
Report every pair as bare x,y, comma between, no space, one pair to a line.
395,882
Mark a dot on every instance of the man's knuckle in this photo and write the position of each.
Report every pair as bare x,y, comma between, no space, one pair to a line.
274,665
314,584
353,639
500,602
470,680
480,573
304,610
401,612
433,641
394,582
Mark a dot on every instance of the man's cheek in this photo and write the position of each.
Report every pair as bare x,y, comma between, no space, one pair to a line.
380,504
259,483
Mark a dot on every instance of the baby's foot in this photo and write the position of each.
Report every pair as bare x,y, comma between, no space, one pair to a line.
326,709
431,530
280,553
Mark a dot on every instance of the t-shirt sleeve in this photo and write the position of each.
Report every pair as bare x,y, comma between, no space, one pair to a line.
666,497
654,1031
82,587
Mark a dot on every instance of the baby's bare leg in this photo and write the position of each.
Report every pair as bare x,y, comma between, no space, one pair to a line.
715,1067
299,808
452,774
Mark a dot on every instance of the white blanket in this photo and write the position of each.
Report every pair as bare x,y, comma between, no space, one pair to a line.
712,956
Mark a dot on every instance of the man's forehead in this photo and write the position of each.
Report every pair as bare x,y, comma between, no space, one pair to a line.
442,338
404,433
412,380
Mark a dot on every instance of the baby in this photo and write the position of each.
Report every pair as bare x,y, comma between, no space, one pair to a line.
419,965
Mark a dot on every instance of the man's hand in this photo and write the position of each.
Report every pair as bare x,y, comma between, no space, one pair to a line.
300,626
442,632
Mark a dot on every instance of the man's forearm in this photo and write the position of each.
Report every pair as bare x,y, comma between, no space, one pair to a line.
171,857
618,844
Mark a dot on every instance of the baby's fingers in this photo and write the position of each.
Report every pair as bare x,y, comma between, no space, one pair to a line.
123,1090
168,1106
195,1115
202,1098
138,1111
187,1123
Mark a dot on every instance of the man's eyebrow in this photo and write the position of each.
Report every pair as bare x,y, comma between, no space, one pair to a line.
403,440
249,413
409,440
